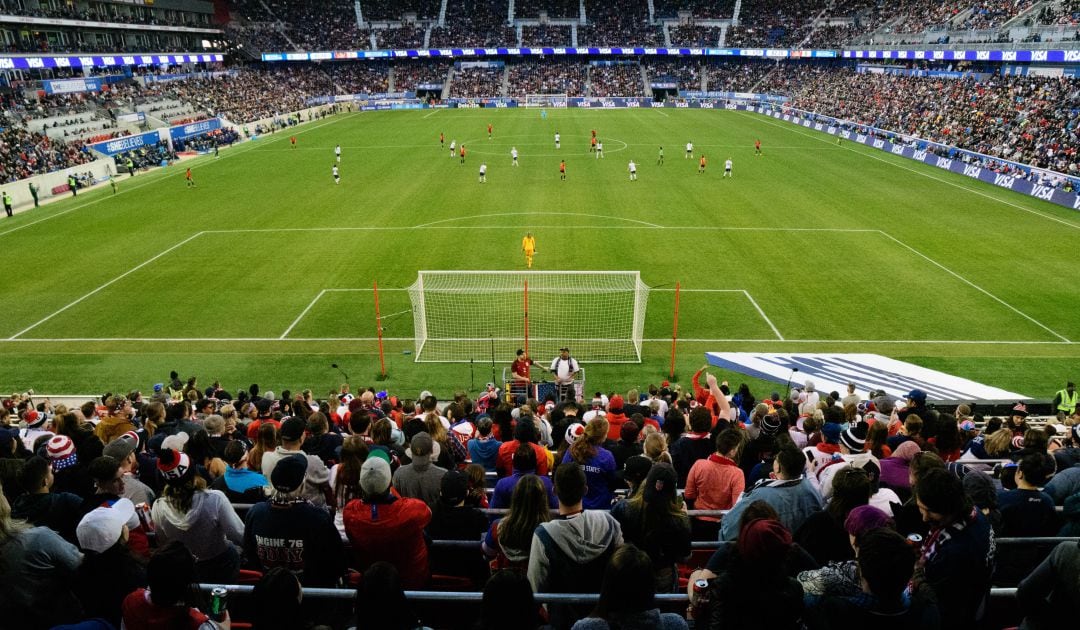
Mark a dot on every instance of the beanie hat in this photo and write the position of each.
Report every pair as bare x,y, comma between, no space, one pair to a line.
1020,409
764,542
174,466
864,518
629,431
176,441
292,429
374,476
34,419
288,473
831,432
980,489
421,445
636,469
61,450
574,431
770,424
616,403
854,438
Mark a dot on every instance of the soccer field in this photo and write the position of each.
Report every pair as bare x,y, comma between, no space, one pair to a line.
263,272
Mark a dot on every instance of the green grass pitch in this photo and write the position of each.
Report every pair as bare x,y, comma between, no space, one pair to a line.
811,247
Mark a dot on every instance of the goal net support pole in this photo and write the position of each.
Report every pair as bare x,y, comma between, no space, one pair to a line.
459,315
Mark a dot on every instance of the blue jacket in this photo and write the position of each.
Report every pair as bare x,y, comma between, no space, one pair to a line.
504,489
484,452
599,477
794,500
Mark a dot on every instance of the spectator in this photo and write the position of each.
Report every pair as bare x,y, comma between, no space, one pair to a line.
123,450
793,497
275,529
627,594
109,570
453,520
568,555
715,483
1048,595
117,422
384,526
171,578
1027,511
508,541
239,483
345,477
524,432
40,506
317,478
823,534
689,448
957,556
841,579
38,569
421,479
322,443
627,445
279,598
266,441
655,520
484,448
69,470
896,470
597,462
508,603
380,599
203,520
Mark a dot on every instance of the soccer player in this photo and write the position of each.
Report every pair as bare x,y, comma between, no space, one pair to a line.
337,152
592,145
337,176
660,160
462,154
293,140
489,131
701,165
453,145
689,150
190,181
514,154
442,140
562,170
558,139
757,147
633,171
528,245
727,168
483,172
600,149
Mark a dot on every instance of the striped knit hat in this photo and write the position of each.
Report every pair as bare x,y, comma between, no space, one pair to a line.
174,466
61,450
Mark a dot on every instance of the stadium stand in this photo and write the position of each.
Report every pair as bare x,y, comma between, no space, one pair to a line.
474,23
561,76
620,80
624,23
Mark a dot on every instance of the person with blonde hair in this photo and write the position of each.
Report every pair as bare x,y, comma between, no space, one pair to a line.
597,462
656,448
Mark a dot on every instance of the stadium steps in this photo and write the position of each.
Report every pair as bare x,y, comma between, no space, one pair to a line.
504,89
427,37
509,11
735,14
442,12
667,34
652,11
1032,12
446,84
645,80
359,14
581,12
574,35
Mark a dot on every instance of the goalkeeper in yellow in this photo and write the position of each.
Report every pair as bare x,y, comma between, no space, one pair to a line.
528,245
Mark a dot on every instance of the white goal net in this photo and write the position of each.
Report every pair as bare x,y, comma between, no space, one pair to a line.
460,316
545,100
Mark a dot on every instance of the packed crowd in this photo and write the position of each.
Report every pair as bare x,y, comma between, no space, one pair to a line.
208,141
546,35
1064,12
700,9
694,35
474,23
106,12
559,76
923,15
395,9
739,76
686,75
1031,120
477,82
409,75
620,80
144,158
554,8
402,37
320,24
619,24
839,508
25,153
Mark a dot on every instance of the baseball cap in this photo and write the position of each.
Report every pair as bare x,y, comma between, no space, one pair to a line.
455,487
121,447
100,529
374,476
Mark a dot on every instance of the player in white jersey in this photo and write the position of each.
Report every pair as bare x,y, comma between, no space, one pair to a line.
689,150
337,176
337,152
727,168
513,155
483,172
558,139
453,145
633,171
599,149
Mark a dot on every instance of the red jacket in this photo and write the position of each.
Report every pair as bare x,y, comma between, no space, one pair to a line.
504,461
253,428
615,422
141,614
393,532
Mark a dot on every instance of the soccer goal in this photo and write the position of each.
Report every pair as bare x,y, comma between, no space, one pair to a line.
460,316
545,100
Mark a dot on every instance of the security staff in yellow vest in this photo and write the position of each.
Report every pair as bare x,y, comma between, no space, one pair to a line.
1065,400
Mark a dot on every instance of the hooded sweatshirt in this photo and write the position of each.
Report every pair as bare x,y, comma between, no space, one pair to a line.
206,529
420,480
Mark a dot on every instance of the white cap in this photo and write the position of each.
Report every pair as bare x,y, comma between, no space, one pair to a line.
100,529
176,442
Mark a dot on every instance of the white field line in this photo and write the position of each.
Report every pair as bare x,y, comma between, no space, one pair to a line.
525,214
662,340
110,282
974,286
431,113
155,176
763,315
301,315
798,130
662,113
